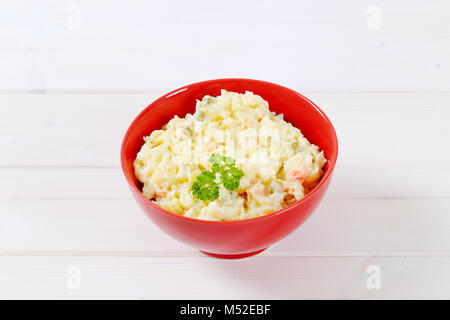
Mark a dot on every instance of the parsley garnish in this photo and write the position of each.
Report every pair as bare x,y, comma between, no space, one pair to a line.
206,188
231,178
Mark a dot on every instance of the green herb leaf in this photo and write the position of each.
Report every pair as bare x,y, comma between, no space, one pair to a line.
221,160
216,168
205,187
231,178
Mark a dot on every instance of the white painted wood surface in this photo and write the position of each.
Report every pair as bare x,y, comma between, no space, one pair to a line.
69,90
63,202
135,44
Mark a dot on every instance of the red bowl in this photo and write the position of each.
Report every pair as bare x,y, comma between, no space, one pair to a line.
242,238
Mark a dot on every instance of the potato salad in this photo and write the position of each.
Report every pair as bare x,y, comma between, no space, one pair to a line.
232,159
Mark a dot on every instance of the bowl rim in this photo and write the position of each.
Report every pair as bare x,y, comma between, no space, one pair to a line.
319,186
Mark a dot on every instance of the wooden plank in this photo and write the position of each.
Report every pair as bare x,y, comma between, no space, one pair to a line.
63,129
374,129
63,183
83,183
299,44
390,128
260,277
339,227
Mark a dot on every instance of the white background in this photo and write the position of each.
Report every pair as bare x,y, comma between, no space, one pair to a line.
73,75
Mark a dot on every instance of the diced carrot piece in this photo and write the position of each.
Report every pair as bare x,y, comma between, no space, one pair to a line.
298,173
256,190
